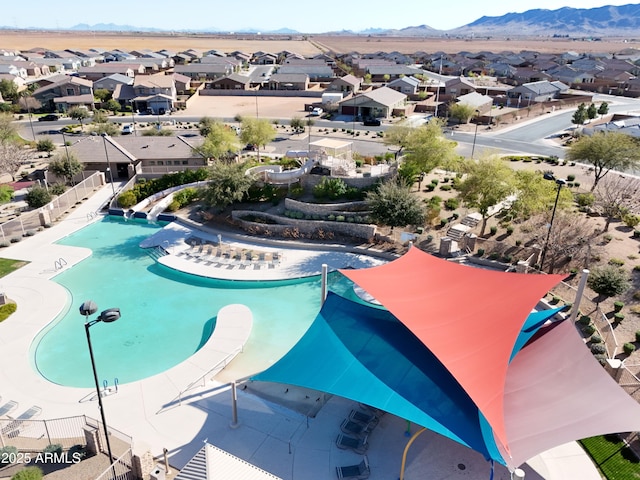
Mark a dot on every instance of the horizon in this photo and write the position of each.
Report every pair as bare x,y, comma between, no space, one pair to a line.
333,16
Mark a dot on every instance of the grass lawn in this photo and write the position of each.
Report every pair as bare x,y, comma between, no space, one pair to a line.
612,457
7,266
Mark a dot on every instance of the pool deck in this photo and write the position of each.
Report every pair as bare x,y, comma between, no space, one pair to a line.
279,440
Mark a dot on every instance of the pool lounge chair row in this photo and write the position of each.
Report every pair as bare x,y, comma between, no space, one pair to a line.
231,258
356,429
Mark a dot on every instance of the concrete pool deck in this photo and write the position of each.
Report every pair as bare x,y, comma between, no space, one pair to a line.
277,439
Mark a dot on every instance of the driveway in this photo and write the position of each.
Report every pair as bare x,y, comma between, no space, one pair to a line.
230,106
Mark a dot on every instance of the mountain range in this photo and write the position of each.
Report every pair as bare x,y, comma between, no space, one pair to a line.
623,20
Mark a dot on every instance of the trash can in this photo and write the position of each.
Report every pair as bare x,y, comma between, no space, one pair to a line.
157,473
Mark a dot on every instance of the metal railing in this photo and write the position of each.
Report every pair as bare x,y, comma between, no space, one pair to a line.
29,222
120,469
34,435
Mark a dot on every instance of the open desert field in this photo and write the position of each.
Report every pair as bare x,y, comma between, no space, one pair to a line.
344,44
60,40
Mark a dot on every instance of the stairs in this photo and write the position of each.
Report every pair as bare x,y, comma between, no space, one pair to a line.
196,469
471,220
157,252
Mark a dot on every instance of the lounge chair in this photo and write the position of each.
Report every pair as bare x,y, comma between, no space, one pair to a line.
7,407
359,471
355,428
12,428
364,418
358,445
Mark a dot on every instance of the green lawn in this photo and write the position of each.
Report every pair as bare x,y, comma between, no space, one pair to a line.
612,457
7,266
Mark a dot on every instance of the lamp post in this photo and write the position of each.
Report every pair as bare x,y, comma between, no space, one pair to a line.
106,154
559,183
133,117
110,315
473,148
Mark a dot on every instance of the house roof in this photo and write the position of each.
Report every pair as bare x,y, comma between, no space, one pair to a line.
385,96
474,99
85,99
234,77
116,77
413,81
289,78
67,79
154,81
349,79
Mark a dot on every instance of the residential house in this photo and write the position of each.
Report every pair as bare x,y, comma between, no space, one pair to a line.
571,76
154,94
529,75
181,59
379,103
242,56
458,86
385,73
183,83
68,91
235,81
127,155
265,59
19,81
478,102
12,69
406,85
347,84
105,69
214,59
112,81
204,71
501,69
533,92
317,72
289,81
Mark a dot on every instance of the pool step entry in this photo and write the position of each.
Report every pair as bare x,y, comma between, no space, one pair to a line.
157,252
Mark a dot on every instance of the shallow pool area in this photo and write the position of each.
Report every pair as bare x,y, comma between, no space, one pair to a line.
166,315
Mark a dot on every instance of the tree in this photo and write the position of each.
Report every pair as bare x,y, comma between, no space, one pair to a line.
6,194
296,123
110,128
102,94
398,135
228,183
113,105
257,132
428,148
536,195
606,151
603,109
393,204
12,156
37,197
608,281
28,103
580,115
572,237
614,197
204,125
79,114
67,167
410,173
367,78
45,145
488,182
219,142
592,112
8,90
461,112
8,130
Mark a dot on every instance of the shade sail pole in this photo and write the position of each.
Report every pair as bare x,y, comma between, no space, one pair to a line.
323,289
579,293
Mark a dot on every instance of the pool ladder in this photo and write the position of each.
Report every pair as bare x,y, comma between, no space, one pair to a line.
59,264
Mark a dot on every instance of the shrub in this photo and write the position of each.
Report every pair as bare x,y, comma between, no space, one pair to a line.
445,188
45,145
629,348
636,234
631,220
434,181
57,189
493,230
127,199
37,197
588,330
638,336
53,448
444,221
340,218
617,306
7,454
608,281
584,320
331,188
451,203
598,349
571,178
480,252
576,184
595,338
618,317
510,229
585,199
494,256
617,262
28,473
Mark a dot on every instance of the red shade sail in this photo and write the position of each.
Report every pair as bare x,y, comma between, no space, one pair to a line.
469,318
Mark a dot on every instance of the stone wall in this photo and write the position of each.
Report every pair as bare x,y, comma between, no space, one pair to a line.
293,228
324,208
310,181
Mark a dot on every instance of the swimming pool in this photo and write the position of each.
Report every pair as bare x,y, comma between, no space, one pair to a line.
166,315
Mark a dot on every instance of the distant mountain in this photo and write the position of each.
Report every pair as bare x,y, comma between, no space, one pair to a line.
111,27
608,20
419,31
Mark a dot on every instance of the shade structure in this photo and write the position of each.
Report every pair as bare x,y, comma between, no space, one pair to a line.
554,391
444,303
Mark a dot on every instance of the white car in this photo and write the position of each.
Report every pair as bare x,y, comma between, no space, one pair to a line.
316,112
127,129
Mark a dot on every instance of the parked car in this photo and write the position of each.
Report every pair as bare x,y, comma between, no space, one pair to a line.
52,117
371,122
127,129
251,146
316,112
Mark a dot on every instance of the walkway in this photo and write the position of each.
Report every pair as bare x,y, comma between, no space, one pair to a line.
277,439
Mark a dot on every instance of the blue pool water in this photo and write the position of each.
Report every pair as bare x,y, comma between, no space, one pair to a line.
166,315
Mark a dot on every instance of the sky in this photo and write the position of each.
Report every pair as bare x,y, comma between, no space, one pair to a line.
264,15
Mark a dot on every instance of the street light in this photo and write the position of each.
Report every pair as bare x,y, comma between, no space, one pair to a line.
110,315
473,149
104,142
133,117
559,183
